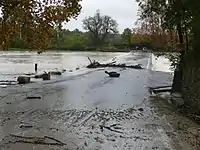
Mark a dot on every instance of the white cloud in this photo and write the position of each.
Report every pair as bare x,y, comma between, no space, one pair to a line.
123,11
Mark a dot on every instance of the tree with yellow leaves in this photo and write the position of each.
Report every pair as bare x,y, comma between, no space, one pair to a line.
33,20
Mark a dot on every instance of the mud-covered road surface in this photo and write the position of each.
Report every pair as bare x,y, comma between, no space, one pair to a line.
91,111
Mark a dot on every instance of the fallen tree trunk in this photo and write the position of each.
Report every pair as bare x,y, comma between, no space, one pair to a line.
96,64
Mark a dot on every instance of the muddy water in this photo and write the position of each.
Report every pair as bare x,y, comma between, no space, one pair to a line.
16,63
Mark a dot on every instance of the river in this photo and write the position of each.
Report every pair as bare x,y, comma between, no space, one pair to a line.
16,63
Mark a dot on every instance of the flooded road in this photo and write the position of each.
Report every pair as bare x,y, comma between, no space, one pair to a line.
90,111
14,64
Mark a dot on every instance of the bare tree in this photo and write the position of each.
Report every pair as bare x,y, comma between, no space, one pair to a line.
100,27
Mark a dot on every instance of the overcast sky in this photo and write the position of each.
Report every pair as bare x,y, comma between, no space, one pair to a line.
123,11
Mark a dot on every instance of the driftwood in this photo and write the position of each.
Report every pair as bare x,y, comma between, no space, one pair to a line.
112,62
109,128
51,138
33,97
46,76
27,137
37,140
25,126
96,64
89,60
23,79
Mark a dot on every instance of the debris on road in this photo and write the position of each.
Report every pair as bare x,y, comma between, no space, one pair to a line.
113,74
23,79
36,140
33,97
141,109
46,76
25,126
109,128
96,64
159,89
98,139
55,72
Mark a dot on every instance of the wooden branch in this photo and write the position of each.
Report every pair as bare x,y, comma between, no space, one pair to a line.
112,62
26,126
89,60
88,118
27,137
39,142
98,65
33,97
101,126
54,139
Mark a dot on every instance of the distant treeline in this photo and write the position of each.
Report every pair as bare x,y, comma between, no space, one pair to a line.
76,40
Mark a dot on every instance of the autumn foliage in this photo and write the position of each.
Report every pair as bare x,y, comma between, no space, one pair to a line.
33,20
159,39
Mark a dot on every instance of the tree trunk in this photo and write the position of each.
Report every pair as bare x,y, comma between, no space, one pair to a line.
178,74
